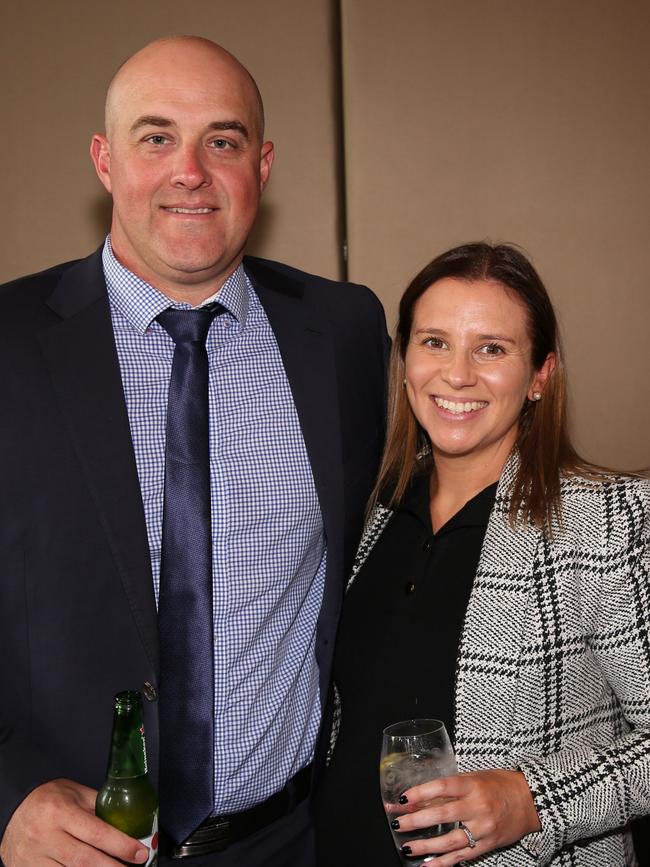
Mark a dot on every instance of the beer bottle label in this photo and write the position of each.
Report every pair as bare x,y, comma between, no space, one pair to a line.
151,842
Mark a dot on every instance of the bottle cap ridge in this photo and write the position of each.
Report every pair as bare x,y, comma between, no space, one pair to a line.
127,699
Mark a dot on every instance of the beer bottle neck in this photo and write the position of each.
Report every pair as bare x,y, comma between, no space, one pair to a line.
128,754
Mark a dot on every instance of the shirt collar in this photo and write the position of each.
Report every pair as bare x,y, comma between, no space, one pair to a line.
475,512
140,302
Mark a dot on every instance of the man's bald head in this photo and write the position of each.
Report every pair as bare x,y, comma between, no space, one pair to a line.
185,162
174,50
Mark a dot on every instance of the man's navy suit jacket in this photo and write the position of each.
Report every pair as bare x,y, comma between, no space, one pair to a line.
77,608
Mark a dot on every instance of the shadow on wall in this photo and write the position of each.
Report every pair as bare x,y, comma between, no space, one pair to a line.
99,213
262,229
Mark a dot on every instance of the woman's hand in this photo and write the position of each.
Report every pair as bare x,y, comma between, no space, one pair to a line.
496,806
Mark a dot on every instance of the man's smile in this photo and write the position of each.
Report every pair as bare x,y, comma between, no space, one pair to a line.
190,211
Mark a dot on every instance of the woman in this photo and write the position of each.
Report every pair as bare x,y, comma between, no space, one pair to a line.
502,586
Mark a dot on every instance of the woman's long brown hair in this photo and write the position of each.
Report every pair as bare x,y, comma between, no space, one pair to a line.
543,443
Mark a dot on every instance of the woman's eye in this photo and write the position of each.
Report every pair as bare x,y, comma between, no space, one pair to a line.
491,349
434,342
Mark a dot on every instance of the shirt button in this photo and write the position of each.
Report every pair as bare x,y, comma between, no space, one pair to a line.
149,691
409,588
428,545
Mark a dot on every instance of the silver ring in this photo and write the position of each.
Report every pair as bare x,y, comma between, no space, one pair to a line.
471,842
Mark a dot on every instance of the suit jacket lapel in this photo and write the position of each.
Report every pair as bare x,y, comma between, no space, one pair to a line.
308,355
81,355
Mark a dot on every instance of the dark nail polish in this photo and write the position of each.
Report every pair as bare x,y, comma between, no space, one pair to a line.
406,850
395,824
403,799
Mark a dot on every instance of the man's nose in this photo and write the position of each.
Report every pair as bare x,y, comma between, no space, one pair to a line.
189,169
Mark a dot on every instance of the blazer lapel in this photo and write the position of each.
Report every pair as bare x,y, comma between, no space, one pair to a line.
490,647
81,355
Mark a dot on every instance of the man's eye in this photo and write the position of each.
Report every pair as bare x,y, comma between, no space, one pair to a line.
157,139
221,144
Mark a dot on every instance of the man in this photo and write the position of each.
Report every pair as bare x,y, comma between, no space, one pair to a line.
101,570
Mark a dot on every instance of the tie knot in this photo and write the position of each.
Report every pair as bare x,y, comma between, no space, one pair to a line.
188,326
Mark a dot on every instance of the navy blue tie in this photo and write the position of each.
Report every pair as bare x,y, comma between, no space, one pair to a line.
186,711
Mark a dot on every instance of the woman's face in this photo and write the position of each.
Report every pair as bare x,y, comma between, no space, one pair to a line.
468,369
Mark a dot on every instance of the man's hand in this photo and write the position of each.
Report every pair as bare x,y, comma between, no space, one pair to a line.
56,824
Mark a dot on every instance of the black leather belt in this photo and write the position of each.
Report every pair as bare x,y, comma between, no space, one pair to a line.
218,832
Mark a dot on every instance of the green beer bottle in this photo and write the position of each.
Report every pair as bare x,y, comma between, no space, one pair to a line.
127,799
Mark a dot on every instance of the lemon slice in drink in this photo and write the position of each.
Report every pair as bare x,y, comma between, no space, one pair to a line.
388,760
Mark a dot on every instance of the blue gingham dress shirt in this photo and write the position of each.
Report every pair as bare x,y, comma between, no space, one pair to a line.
268,551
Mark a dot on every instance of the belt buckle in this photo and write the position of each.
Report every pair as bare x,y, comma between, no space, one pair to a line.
212,835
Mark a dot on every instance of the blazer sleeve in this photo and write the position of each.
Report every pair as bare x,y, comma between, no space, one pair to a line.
589,790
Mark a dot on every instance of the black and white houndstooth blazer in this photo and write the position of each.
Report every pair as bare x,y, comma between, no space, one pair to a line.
553,670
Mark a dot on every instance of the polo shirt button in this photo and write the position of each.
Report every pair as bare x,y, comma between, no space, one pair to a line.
409,588
428,545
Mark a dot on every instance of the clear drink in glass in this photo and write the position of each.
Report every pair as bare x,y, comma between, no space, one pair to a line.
413,752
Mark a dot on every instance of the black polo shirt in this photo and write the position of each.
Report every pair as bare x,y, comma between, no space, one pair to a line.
396,659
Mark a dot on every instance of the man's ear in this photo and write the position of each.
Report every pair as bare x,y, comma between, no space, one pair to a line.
100,154
267,156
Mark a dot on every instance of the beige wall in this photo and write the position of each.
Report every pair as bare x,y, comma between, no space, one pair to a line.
521,121
515,120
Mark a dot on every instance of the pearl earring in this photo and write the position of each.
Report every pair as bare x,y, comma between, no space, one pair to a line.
537,395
